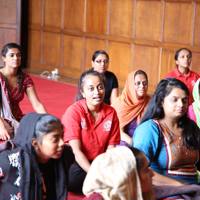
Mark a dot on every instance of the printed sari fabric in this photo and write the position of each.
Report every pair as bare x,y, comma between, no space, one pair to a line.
15,95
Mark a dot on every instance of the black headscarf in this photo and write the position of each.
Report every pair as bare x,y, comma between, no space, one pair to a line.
31,177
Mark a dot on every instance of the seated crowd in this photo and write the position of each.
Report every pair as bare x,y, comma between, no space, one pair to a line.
107,147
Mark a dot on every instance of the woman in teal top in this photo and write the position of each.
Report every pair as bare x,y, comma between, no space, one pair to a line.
168,138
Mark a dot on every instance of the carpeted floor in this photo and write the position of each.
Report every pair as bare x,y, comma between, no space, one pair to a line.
55,95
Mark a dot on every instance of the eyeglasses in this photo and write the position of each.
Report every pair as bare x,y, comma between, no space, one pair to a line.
101,61
143,83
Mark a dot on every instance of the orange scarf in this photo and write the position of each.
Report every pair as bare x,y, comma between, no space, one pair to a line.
127,105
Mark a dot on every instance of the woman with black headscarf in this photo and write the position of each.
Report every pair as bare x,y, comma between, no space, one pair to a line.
35,164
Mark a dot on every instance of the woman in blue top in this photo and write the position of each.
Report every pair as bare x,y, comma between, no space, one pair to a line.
168,138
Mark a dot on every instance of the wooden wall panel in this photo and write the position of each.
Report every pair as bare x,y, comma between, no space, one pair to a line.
197,27
73,56
196,61
136,33
96,16
34,47
148,20
8,7
7,35
10,22
167,62
74,15
121,13
178,22
52,13
120,60
51,47
35,17
147,58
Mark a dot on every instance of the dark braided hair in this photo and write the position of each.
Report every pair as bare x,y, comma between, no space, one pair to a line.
20,74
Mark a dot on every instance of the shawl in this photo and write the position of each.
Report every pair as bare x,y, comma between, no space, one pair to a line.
196,103
186,192
25,168
127,105
6,112
114,176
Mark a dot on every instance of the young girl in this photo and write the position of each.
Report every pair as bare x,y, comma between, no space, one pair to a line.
35,164
15,84
182,72
91,127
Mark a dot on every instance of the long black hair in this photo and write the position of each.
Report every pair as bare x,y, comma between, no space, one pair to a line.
20,74
81,81
191,132
99,52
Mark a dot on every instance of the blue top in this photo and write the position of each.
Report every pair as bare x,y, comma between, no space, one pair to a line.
166,152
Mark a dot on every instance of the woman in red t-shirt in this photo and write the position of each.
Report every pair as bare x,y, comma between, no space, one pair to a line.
91,127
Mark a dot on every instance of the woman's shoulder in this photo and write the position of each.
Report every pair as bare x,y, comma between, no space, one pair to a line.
150,126
77,107
149,122
110,74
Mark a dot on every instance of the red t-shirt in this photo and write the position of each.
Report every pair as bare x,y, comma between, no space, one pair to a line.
94,136
189,79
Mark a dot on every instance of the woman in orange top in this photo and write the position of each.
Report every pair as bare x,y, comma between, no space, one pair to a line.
131,104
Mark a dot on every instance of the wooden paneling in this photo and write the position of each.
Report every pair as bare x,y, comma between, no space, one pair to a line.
10,22
178,22
96,16
121,13
196,61
52,13
7,35
136,33
197,27
34,47
73,56
6,8
35,17
120,56
51,49
167,62
74,15
148,20
147,58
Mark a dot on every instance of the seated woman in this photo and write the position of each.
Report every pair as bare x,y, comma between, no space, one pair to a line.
168,138
91,127
120,173
131,104
16,84
182,72
37,167
194,108
100,62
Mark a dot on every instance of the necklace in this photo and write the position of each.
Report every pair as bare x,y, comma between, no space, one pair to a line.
172,134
